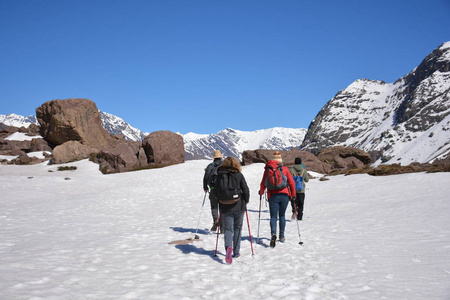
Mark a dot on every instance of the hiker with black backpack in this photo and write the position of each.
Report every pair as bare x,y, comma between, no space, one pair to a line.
300,176
234,195
208,185
280,189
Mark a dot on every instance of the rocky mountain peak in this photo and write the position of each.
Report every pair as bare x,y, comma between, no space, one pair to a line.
404,121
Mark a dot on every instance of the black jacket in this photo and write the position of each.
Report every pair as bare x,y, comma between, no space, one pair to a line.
244,192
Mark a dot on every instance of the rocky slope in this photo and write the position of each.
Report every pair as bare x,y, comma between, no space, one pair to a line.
117,126
401,122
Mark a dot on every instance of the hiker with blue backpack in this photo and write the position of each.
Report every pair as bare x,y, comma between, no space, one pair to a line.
280,189
300,176
208,185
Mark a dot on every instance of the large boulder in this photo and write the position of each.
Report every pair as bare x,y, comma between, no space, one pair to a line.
71,151
72,120
122,157
164,148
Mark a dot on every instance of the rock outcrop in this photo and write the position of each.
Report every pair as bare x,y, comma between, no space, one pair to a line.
75,128
122,157
164,148
331,161
21,147
71,151
72,120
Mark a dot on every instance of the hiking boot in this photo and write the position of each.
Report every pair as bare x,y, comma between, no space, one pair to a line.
282,239
215,224
272,241
236,255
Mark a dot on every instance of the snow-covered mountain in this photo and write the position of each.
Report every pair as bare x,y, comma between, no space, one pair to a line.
197,146
233,142
117,126
18,121
401,122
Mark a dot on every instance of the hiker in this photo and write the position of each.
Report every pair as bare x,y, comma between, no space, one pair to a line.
299,169
208,185
232,211
279,196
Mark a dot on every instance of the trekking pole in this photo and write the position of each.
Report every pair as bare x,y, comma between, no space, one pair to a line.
218,231
198,223
249,233
259,217
298,227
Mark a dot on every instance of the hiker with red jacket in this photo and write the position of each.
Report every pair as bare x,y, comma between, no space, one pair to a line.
280,189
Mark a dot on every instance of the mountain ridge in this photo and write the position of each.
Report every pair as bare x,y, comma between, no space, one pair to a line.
230,141
401,122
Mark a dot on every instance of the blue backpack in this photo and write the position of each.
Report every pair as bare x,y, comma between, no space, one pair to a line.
298,179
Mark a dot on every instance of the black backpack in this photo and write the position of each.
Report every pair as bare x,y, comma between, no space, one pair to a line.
211,173
227,188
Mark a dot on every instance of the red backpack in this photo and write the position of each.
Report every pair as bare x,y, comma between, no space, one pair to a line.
275,179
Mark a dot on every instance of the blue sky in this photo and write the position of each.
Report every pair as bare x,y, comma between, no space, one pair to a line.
201,66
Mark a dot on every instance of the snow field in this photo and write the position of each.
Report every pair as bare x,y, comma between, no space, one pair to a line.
83,235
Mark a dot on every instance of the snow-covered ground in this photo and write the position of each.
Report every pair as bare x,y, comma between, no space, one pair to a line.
83,235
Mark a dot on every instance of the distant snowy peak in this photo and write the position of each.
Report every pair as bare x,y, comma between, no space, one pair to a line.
402,122
18,121
233,142
117,126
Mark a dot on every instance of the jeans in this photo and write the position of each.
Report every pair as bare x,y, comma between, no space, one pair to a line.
233,229
278,202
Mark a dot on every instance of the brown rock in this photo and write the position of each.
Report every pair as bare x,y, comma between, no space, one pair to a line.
15,145
330,155
72,120
6,130
164,148
121,157
309,160
71,151
39,145
23,159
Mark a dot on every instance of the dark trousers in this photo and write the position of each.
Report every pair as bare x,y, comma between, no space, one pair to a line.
214,205
233,229
299,202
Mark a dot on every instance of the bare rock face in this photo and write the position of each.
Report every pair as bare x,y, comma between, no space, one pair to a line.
72,120
164,148
71,151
